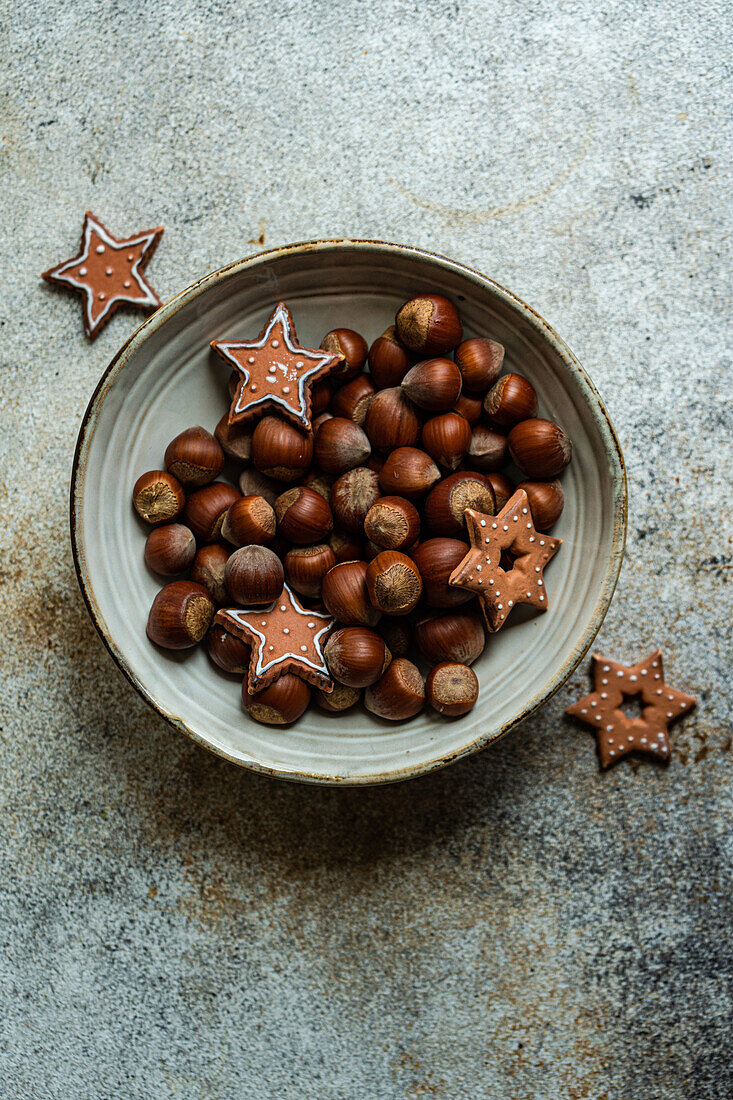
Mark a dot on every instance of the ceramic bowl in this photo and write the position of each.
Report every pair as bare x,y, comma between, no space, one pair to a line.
164,379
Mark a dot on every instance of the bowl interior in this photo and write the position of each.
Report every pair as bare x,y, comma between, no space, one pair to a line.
165,379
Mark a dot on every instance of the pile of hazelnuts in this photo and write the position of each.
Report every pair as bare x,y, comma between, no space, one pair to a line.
362,516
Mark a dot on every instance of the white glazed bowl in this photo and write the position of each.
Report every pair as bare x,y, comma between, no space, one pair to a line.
164,379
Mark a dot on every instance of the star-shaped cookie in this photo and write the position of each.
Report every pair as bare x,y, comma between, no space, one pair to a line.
107,271
499,589
275,371
284,637
618,735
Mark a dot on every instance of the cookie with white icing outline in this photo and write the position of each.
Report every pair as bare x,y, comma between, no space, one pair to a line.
275,373
108,272
284,637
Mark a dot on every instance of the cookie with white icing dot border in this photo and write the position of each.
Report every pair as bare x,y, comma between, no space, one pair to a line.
618,734
499,589
284,637
108,272
275,372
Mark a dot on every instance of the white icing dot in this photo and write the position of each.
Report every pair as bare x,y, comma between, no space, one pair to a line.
483,522
539,582
670,697
283,607
670,714
536,568
531,538
505,527
610,740
630,739
126,283
524,511
609,728
82,271
487,539
529,595
500,606
286,630
108,271
130,256
286,389
611,752
271,378
619,674
311,625
270,647
657,676
606,668
100,249
604,695
304,649
276,343
654,664
633,679
515,518
542,542
253,387
101,297
494,526
643,740
529,526
653,745
263,623
497,593
478,568
542,599
583,710
510,603
491,579
643,672
299,363
250,358
604,681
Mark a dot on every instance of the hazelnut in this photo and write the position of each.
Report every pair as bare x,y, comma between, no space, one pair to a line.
352,495
452,688
487,449
279,704
434,384
169,550
319,483
340,445
303,516
455,636
469,407
320,419
540,448
281,450
353,347
345,594
436,559
356,656
429,324
393,582
480,361
235,440
227,651
546,502
194,457
392,523
446,504
208,570
399,694
392,420
254,484
389,360
510,400
306,566
397,634
253,575
250,519
180,616
158,497
346,547
503,488
205,510
321,394
446,438
340,699
354,399
408,472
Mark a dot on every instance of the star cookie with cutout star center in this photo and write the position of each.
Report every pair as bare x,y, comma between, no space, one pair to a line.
618,734
276,373
284,637
108,272
511,531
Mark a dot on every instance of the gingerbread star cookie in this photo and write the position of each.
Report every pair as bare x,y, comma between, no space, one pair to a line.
619,735
284,637
107,271
499,589
275,371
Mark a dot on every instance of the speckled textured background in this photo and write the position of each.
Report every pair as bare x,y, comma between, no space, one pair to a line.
518,925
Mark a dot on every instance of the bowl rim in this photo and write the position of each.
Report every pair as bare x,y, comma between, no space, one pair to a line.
593,398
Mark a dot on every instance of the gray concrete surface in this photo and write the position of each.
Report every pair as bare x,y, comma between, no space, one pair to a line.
517,926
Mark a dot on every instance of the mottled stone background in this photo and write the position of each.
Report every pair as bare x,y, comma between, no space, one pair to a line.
518,925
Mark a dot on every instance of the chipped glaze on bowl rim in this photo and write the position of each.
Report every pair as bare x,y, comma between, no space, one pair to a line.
545,332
